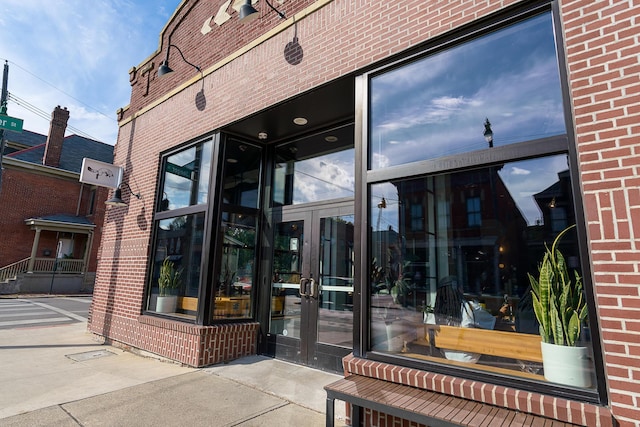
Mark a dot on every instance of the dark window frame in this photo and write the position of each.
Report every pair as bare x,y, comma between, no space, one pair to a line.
560,144
159,215
214,239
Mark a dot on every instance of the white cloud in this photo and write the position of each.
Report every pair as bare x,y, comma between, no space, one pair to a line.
77,54
519,171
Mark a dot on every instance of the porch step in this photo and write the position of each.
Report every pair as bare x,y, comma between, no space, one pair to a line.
9,286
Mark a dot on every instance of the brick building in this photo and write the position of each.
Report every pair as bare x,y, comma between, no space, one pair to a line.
49,220
317,175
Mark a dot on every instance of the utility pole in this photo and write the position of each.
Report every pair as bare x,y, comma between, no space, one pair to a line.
3,111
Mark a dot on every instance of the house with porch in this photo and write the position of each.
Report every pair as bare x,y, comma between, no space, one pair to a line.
50,222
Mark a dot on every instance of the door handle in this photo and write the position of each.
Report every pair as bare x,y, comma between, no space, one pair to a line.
315,289
303,291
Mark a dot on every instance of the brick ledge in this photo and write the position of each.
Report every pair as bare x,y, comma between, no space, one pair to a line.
561,409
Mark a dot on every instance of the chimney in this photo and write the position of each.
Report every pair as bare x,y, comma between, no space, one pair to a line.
53,149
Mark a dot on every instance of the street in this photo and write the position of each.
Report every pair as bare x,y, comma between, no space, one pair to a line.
43,311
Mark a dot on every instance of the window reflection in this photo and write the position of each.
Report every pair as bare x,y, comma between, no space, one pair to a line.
436,106
237,270
186,177
449,271
316,168
178,243
241,185
237,236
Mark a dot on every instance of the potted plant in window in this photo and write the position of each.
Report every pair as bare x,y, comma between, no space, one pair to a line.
390,288
560,307
169,280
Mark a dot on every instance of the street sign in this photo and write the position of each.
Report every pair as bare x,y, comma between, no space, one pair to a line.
11,123
179,170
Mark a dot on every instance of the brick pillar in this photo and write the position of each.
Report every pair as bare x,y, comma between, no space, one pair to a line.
53,149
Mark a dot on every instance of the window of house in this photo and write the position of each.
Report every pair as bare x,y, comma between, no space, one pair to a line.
417,217
490,209
474,214
92,202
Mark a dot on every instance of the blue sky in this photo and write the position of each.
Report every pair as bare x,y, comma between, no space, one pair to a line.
77,54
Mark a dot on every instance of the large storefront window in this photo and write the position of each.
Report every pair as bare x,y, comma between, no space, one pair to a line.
179,232
176,268
480,186
187,212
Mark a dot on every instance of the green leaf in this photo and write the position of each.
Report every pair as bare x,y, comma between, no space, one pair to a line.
573,329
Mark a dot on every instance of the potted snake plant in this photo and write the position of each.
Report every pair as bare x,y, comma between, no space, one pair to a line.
169,280
561,309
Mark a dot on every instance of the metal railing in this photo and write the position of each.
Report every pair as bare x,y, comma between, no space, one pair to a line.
59,265
11,271
42,265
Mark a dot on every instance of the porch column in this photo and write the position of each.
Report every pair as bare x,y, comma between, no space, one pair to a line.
34,251
87,252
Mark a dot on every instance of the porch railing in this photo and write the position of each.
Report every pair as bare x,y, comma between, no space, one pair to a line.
42,265
11,271
60,265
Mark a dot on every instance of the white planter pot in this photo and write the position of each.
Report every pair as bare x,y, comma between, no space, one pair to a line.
429,318
566,365
166,304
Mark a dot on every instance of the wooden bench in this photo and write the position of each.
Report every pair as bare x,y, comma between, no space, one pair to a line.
188,303
436,409
523,350
512,345
421,406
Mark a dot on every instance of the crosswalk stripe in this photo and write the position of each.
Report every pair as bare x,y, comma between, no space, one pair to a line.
27,313
79,299
34,321
60,311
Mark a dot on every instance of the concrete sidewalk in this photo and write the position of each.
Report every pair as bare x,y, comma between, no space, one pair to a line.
60,376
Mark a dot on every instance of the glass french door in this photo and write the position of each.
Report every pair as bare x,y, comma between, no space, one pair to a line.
311,319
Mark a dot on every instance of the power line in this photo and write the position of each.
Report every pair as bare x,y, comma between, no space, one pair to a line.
60,90
43,114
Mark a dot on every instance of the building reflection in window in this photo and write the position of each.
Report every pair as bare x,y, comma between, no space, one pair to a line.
488,264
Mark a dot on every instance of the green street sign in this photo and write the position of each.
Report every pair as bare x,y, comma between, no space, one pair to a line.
179,170
11,123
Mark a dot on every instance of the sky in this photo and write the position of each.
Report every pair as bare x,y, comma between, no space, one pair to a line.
77,54
434,107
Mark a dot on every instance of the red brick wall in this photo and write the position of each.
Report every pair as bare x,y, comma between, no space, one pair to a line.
601,45
200,50
25,195
97,217
602,48
192,345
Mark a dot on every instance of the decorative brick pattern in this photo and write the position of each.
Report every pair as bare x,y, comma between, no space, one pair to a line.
602,48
